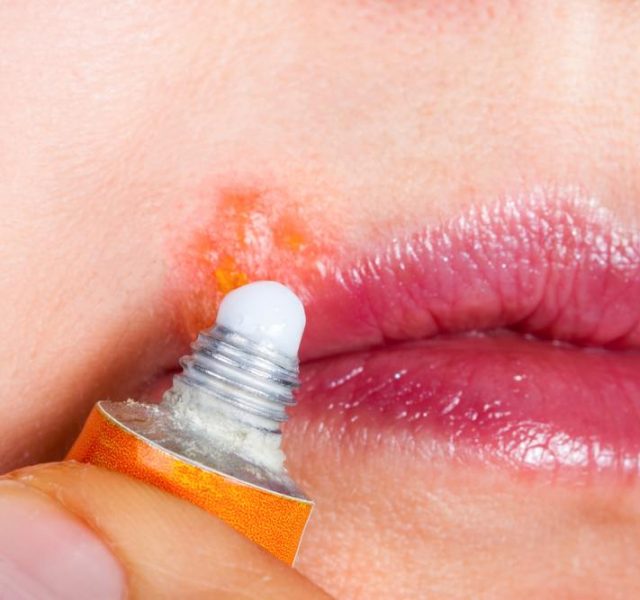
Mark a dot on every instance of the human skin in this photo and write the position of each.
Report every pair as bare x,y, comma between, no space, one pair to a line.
124,128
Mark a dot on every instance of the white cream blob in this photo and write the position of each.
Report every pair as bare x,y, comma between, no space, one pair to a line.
266,312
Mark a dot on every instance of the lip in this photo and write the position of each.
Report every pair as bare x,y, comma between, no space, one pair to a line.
496,398
557,268
547,271
508,335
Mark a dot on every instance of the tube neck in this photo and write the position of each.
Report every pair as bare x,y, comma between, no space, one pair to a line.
237,378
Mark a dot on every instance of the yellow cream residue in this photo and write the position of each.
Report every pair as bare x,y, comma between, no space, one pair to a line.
228,276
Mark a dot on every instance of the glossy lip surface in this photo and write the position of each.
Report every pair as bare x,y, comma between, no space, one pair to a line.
556,269
497,398
559,388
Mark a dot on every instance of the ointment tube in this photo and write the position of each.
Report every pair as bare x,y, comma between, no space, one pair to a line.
214,440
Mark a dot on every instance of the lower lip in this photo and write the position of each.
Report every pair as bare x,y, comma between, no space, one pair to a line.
501,399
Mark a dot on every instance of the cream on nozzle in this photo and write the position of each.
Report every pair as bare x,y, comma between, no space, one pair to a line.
266,312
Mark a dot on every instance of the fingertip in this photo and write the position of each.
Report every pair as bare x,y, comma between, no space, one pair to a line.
47,552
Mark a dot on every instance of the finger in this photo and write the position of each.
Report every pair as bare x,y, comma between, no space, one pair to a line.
153,544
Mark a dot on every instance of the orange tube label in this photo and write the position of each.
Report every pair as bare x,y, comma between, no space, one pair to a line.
272,520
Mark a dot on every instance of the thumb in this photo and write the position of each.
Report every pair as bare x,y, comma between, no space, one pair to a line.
72,530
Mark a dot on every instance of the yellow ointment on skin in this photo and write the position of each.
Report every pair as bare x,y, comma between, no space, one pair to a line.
254,235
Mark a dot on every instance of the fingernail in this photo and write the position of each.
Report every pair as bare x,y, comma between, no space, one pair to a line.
46,553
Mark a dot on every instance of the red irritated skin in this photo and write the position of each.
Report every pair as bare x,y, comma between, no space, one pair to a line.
528,309
257,234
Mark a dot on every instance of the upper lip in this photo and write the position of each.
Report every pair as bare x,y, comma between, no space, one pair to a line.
555,267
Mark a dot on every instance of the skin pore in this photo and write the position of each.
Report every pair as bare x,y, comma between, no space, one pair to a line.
127,127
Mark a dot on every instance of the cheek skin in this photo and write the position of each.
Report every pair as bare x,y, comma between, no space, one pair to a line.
255,233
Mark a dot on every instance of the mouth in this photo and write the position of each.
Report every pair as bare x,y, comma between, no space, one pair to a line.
509,336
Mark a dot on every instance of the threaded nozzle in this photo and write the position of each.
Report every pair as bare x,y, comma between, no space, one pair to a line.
248,376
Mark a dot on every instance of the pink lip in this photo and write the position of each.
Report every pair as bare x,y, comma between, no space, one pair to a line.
559,270
553,270
500,399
